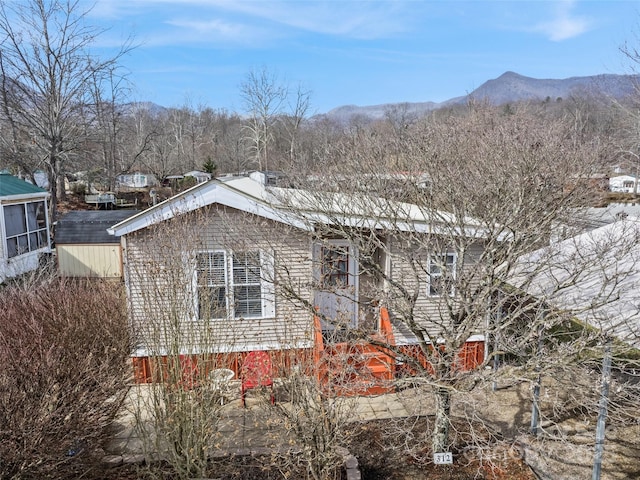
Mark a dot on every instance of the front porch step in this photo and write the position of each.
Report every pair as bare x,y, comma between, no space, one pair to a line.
359,369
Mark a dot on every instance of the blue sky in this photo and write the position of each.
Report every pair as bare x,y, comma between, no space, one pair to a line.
360,52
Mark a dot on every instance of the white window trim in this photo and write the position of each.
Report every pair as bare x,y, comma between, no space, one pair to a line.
267,290
442,270
267,266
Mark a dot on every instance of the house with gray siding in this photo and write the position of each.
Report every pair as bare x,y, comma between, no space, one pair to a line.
235,265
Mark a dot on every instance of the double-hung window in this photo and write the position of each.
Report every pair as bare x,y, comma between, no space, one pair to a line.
246,281
234,285
442,268
212,284
25,227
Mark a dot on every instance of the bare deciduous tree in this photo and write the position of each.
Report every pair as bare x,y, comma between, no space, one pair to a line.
178,416
48,72
482,189
264,97
107,129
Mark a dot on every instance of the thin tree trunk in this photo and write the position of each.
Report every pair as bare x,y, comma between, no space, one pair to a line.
440,442
59,173
53,189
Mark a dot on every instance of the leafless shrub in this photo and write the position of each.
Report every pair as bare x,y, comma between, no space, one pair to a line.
178,412
63,372
317,412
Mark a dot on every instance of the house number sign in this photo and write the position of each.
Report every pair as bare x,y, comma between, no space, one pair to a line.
444,458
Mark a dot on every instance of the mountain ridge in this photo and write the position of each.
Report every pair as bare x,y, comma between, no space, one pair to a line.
510,87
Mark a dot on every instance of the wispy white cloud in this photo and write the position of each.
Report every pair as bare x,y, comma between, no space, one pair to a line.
565,23
357,19
361,19
207,30
112,9
160,23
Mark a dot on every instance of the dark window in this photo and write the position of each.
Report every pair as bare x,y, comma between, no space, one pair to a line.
441,274
26,227
335,267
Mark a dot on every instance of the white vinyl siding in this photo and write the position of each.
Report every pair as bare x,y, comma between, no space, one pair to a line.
430,312
162,281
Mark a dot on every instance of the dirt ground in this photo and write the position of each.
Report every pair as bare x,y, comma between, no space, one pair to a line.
565,445
499,444
491,438
384,454
394,464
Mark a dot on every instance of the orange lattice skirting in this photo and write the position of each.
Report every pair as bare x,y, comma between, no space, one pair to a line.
149,369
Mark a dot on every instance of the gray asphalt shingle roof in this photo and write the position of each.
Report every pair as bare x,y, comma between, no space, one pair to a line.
89,226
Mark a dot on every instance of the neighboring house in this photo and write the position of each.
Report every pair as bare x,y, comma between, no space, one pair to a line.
593,276
595,217
24,226
623,184
83,246
599,182
41,179
172,180
591,218
253,270
136,180
200,177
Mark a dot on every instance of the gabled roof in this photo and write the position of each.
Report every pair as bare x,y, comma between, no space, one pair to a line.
295,207
13,186
243,193
89,226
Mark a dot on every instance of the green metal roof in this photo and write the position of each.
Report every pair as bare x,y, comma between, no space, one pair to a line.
10,185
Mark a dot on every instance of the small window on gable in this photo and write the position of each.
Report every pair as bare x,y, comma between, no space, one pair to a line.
234,285
442,269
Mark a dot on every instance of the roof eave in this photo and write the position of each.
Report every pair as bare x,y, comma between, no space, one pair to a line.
24,196
199,196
